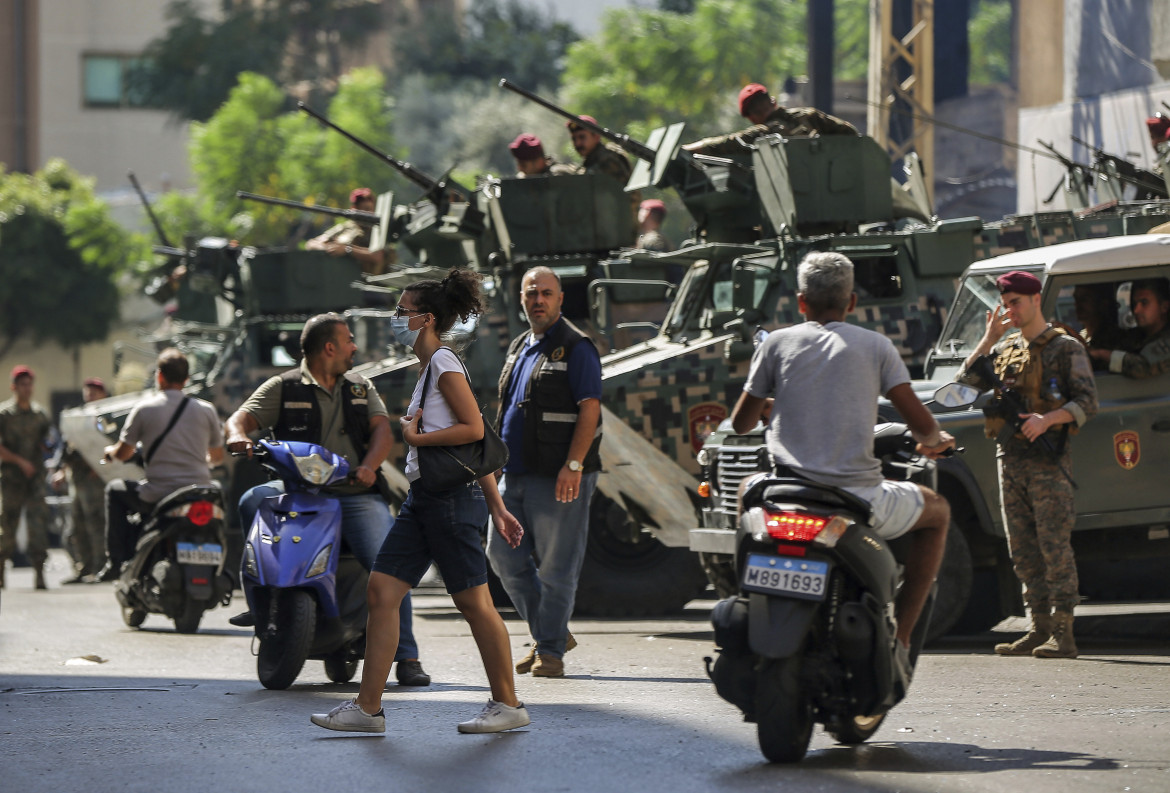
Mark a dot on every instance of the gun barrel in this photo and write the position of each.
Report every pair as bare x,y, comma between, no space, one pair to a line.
404,168
358,215
634,147
162,236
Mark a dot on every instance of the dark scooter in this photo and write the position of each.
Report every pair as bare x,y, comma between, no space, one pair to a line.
810,638
307,596
178,563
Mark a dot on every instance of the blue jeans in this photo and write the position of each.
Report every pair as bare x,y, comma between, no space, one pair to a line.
556,534
365,522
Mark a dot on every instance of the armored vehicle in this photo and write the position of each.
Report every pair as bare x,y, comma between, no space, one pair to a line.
1121,537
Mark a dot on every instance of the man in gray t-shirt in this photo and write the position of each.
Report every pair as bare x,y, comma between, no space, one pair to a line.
182,457
824,378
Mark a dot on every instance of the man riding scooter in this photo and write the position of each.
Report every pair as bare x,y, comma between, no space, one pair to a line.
825,377
322,402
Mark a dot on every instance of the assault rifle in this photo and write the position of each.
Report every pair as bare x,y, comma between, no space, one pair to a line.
1076,180
1008,406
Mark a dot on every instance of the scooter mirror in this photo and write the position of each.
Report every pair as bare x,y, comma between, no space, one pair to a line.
956,395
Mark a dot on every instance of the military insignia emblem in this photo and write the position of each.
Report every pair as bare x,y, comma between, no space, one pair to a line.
703,419
357,389
1127,449
557,354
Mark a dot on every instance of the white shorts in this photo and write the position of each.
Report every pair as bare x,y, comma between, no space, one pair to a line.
896,506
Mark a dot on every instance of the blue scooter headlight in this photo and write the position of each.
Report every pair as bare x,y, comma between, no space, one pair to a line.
250,567
320,562
314,469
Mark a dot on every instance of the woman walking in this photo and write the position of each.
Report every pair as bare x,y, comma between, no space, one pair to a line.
437,525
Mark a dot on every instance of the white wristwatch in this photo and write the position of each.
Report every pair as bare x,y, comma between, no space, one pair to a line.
574,465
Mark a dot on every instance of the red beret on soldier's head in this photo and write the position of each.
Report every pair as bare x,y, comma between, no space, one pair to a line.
653,205
21,371
526,147
94,382
747,93
1019,282
574,126
358,193
1159,127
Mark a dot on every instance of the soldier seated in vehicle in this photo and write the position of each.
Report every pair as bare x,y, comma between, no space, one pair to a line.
1096,311
770,117
1150,301
531,160
350,238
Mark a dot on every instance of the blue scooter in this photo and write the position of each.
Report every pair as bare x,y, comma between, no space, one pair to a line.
307,597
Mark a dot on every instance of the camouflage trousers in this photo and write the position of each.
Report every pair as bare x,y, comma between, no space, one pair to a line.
21,494
86,542
1039,515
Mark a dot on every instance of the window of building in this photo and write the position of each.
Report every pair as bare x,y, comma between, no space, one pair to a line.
106,81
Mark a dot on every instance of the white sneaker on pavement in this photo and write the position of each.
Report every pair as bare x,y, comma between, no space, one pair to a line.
497,717
348,717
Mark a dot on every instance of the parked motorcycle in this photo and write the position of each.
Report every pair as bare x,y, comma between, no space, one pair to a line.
178,564
810,637
307,596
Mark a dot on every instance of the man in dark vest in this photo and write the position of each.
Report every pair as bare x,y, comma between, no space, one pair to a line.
550,418
322,402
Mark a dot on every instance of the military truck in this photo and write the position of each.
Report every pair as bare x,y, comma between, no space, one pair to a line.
1122,533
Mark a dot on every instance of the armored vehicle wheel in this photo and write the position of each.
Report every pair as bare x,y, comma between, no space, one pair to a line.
283,651
856,730
954,585
622,578
188,621
133,617
339,669
784,716
720,573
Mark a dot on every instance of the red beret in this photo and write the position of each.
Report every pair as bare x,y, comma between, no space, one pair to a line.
526,147
1019,282
359,192
749,92
95,382
1159,127
21,371
652,204
574,126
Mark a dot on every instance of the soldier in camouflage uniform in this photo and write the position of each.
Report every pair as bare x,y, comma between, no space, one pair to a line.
768,118
651,213
1050,372
352,239
601,156
531,160
86,541
24,433
1150,302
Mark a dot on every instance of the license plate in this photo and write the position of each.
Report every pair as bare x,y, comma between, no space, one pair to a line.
199,553
798,578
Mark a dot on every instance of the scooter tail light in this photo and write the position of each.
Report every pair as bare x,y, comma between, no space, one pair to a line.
832,532
320,562
793,526
200,512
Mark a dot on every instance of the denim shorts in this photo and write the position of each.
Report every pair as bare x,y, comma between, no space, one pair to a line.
444,527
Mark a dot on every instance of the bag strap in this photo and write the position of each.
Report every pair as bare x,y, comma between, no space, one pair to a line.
174,418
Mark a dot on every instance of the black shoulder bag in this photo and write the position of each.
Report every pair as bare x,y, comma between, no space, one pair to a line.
447,467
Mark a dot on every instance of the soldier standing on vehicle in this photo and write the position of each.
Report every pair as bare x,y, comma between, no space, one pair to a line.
769,117
823,373
597,155
87,534
550,418
24,435
651,213
1149,300
322,402
1050,372
531,160
352,239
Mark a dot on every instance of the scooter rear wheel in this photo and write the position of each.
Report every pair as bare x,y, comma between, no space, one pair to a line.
784,716
188,621
857,729
283,651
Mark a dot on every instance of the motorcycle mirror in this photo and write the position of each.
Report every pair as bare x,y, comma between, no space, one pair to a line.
956,395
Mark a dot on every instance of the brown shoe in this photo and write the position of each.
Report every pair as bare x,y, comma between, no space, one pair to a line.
1060,644
525,664
1040,633
547,666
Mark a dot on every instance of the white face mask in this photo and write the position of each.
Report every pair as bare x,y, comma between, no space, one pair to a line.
400,327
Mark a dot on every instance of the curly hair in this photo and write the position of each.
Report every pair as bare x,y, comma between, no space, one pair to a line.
457,296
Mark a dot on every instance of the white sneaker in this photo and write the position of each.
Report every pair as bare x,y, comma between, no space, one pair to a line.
348,717
497,717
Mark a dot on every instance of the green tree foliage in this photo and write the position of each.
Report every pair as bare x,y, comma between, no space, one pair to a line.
991,42
255,143
193,66
497,38
62,255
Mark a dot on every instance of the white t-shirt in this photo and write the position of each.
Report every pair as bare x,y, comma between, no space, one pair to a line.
437,414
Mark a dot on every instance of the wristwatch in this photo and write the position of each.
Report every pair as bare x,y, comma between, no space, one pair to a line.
574,465
349,250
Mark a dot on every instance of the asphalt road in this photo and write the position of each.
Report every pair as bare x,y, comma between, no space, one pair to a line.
87,704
